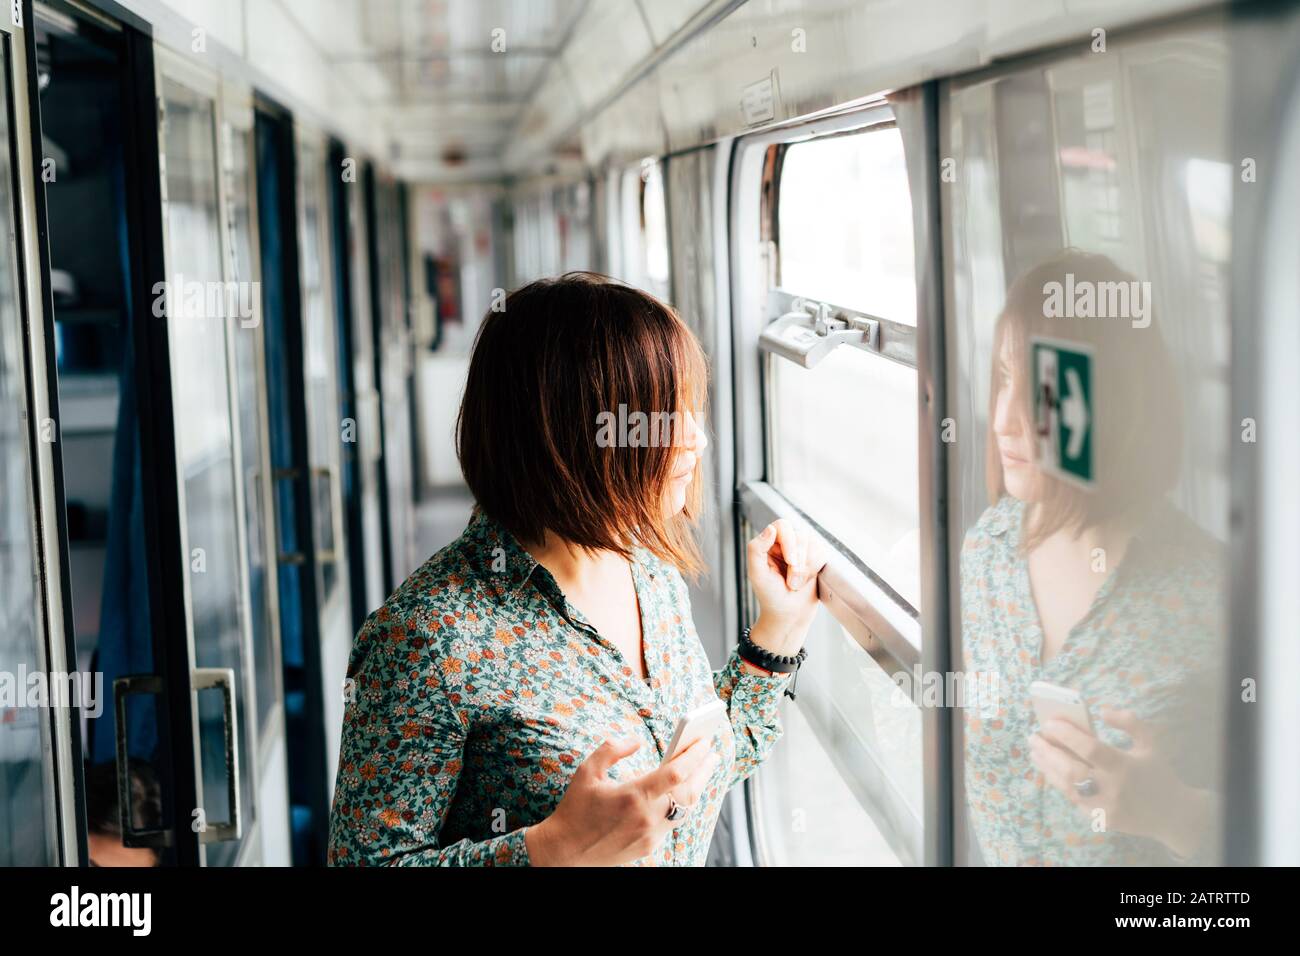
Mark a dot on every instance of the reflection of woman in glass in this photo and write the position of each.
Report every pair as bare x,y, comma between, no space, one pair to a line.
1105,589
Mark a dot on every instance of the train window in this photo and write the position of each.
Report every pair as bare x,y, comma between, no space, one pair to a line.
630,237
844,228
553,231
827,429
643,233
844,221
537,241
1092,227
863,488
654,215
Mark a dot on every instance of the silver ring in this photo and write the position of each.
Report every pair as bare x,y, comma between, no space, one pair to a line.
1086,787
675,810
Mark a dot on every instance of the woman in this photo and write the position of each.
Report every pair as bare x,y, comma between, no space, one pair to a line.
512,699
1105,589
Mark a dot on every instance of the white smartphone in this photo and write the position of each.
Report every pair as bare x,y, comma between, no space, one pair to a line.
1052,700
693,725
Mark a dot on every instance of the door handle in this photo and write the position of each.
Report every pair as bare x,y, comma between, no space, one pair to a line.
208,678
123,687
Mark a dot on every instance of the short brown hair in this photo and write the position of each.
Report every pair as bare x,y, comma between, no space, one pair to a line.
1137,414
562,352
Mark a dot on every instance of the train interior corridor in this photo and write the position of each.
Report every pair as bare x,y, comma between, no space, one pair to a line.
996,305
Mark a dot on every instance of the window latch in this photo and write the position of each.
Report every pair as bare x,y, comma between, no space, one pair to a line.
810,330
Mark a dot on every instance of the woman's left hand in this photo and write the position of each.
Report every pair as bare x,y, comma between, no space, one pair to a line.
784,561
1137,789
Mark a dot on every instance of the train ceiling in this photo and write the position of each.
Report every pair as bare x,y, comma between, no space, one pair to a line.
453,82
481,90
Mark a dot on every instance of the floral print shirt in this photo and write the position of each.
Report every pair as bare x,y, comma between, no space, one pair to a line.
1151,642
477,690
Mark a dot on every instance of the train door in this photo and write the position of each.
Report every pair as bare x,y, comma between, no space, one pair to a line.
306,432
41,821
205,314
125,578
375,302
393,371
358,398
406,289
355,402
126,581
271,811
326,431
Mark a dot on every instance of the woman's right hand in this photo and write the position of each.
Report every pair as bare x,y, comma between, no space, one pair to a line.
605,822
784,561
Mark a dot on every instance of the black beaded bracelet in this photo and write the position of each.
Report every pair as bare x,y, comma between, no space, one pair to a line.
777,663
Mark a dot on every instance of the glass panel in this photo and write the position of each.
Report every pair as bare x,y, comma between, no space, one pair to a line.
526,264
610,208
654,224
845,223
252,412
368,437
319,365
631,227
199,314
843,448
1091,236
820,791
27,825
395,382
549,231
575,227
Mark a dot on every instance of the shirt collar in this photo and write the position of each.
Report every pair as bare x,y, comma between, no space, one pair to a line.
497,558
495,555
1006,516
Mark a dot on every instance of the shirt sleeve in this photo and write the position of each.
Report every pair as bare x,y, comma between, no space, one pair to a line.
400,761
753,707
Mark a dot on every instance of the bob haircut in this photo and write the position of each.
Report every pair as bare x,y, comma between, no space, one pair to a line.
1137,423
548,374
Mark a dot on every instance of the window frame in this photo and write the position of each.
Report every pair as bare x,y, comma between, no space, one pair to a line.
896,636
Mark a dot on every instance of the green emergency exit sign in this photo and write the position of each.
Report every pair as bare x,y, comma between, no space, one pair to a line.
1064,411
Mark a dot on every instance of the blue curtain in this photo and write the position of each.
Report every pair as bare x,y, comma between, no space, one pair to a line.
125,635
124,630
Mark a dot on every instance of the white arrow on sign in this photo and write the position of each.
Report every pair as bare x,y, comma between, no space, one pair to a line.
1074,413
